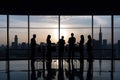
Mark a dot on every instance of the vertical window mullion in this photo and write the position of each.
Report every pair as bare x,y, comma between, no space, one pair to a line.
7,53
28,47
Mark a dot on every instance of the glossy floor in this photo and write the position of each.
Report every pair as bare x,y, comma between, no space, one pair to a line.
19,71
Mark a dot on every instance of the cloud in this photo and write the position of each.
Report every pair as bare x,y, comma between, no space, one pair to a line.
76,21
104,21
44,19
3,20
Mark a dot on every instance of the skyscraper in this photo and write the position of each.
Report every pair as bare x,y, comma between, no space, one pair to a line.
100,38
16,40
15,43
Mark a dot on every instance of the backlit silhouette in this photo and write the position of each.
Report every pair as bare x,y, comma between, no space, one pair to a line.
33,47
90,58
71,42
61,51
48,57
81,49
89,49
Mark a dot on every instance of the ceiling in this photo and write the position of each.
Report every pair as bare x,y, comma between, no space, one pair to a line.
58,8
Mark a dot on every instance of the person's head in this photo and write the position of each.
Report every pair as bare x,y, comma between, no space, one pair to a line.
62,37
89,37
82,36
72,34
49,36
34,35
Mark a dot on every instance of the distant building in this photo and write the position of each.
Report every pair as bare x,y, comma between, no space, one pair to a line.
105,43
23,45
100,38
119,42
119,45
16,40
96,44
15,43
2,46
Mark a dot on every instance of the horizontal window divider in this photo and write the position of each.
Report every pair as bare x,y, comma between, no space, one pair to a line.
3,27
57,27
39,58
19,49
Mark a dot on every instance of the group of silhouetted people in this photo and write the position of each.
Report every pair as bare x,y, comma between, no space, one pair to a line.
71,53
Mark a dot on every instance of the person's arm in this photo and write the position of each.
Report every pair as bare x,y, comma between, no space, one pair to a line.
75,39
69,40
64,41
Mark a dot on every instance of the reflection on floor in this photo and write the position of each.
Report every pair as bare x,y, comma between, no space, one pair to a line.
61,70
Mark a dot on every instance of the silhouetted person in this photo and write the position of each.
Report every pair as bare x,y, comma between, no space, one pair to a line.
71,42
33,47
48,55
81,48
90,58
89,49
61,50
48,47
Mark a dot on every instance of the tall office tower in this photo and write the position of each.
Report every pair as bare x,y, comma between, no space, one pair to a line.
16,41
100,37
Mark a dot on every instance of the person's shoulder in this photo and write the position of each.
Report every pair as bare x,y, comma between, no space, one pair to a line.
31,38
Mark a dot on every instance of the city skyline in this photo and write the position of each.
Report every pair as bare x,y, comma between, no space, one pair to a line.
101,41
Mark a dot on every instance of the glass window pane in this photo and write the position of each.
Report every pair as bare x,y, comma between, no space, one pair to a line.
77,33
102,36
117,46
117,21
3,21
43,21
116,36
18,43
18,21
3,47
79,25
41,35
75,21
104,21
18,36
